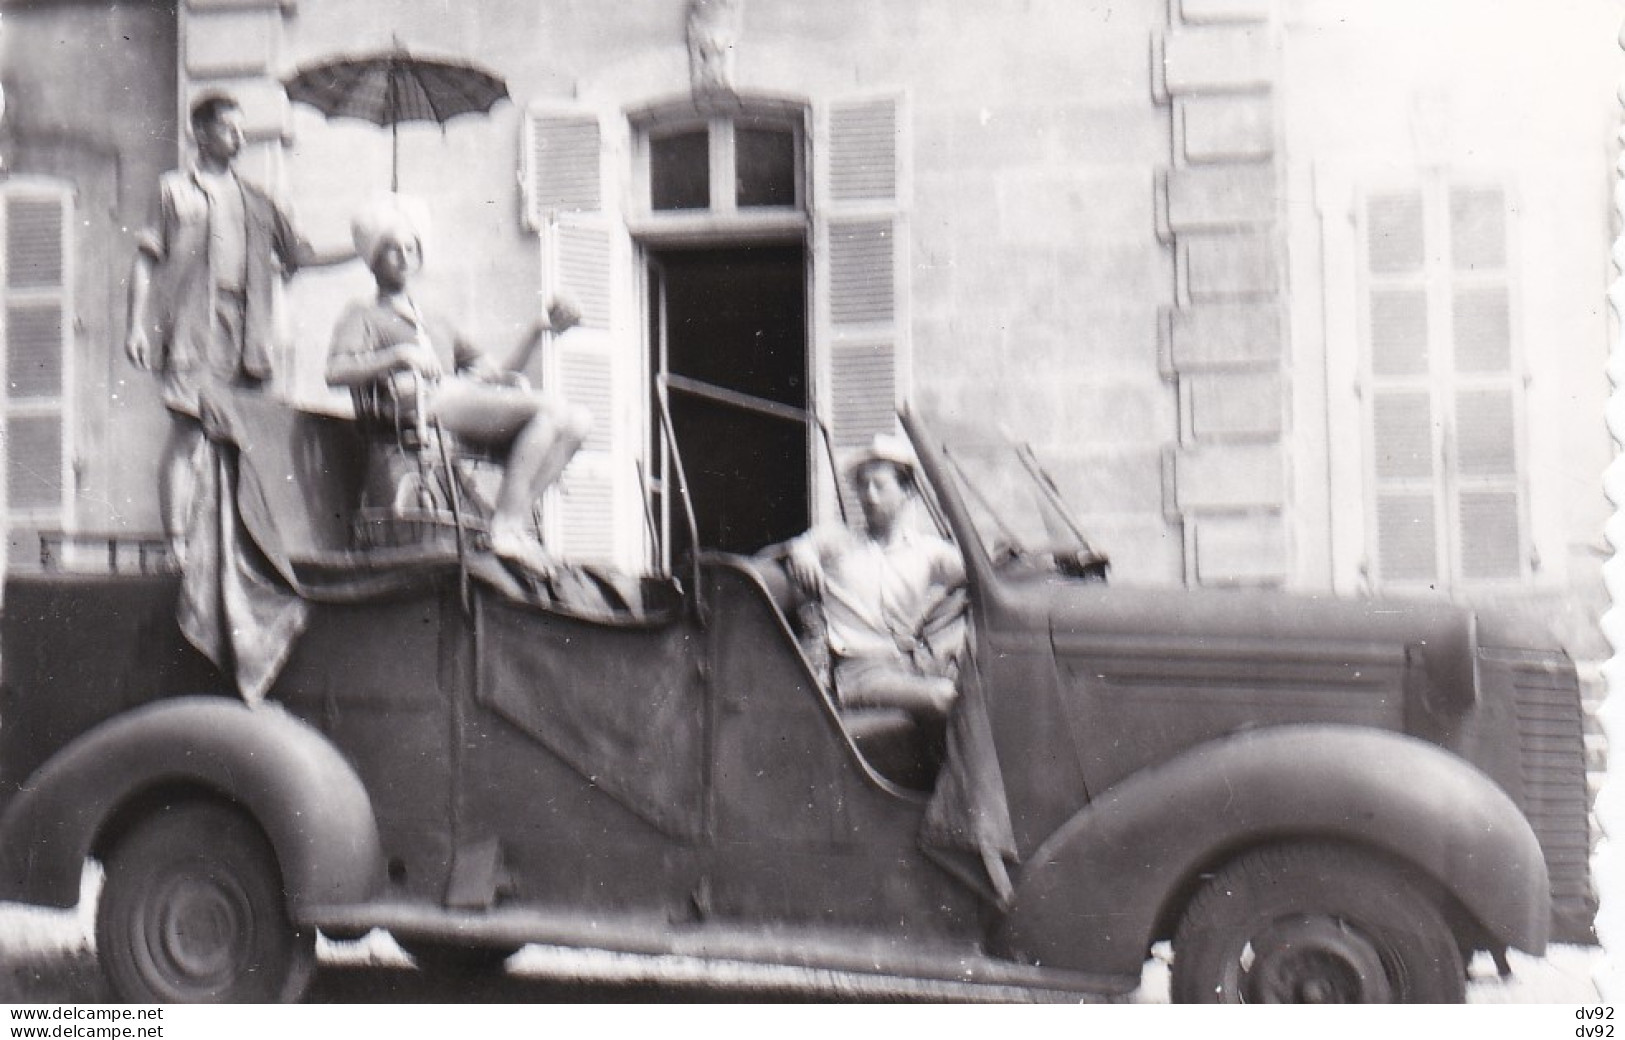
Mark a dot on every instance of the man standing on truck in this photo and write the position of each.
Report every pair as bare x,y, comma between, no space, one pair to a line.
883,591
201,290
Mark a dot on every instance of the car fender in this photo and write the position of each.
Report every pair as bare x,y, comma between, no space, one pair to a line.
312,806
1100,890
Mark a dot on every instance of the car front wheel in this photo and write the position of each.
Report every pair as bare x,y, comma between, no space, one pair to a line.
1314,923
192,911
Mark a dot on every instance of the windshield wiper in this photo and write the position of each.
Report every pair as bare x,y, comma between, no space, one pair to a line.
1009,538
1086,561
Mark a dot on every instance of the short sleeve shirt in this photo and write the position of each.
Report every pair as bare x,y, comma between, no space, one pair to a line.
876,594
367,326
200,245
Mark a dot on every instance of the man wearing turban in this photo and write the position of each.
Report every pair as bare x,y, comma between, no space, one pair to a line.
389,336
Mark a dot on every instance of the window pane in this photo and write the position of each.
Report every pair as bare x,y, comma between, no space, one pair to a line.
766,167
1394,233
1489,534
1478,236
1399,332
1483,331
1406,546
680,171
1403,433
34,462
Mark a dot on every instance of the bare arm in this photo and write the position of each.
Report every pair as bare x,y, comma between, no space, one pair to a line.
307,255
137,341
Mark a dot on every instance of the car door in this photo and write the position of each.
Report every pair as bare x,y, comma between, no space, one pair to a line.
800,830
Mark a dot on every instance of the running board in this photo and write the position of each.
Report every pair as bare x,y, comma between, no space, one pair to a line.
780,945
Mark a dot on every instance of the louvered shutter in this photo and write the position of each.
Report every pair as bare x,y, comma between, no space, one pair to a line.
1488,507
36,333
860,180
1443,397
1403,420
583,243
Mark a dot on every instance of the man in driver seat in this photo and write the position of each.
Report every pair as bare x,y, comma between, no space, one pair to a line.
883,591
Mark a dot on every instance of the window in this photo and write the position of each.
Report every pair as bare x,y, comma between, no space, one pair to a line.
1443,411
606,189
35,223
723,164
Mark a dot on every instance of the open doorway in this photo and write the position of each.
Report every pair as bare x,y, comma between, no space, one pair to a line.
735,317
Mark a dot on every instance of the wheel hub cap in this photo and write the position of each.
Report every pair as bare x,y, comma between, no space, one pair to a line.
200,928
1313,960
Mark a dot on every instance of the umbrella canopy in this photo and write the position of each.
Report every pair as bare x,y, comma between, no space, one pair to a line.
394,87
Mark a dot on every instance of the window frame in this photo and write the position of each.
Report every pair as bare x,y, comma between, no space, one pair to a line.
723,217
1439,279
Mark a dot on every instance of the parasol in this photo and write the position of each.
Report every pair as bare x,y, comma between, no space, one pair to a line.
394,87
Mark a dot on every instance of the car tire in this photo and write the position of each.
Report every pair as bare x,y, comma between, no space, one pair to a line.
443,958
1314,923
192,911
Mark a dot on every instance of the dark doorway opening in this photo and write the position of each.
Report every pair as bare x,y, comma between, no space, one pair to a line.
735,317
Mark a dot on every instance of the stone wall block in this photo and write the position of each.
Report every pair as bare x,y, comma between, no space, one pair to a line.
1213,197
1225,129
1204,61
1228,266
264,105
1219,405
1205,11
1228,477
1240,550
231,43
1222,335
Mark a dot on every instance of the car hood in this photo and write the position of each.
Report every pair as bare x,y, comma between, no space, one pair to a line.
1439,637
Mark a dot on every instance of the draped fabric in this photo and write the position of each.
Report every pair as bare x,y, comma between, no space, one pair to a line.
271,531
967,826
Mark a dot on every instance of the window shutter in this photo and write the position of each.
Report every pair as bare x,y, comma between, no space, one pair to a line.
1444,397
561,172
592,515
1407,536
1399,332
36,337
1483,329
1478,232
860,176
1394,233
1402,438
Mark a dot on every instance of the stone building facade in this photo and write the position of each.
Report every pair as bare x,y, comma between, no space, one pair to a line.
1284,295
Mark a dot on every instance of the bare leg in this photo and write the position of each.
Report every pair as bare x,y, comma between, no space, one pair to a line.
542,435
541,453
176,478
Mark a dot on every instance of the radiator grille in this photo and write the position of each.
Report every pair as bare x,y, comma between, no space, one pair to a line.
1551,745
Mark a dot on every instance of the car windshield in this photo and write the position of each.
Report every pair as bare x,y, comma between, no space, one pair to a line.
1014,506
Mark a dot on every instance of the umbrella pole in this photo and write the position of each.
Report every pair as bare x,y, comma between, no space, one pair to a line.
395,157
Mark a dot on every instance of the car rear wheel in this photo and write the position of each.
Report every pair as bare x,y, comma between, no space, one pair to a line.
1314,923
192,911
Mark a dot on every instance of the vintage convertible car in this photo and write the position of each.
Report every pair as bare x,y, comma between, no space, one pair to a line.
1312,799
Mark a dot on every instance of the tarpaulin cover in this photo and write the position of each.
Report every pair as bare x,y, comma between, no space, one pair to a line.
621,706
270,530
967,826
